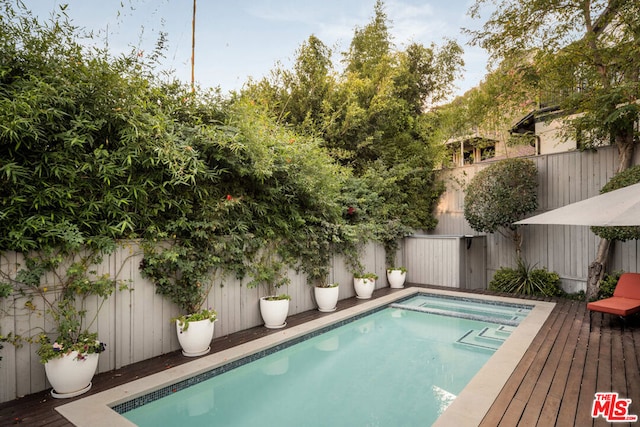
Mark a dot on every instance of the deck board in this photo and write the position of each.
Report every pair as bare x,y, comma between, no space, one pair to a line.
553,385
551,406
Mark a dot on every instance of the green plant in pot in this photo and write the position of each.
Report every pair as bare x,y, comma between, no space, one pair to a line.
182,264
267,272
326,295
364,284
396,277
60,284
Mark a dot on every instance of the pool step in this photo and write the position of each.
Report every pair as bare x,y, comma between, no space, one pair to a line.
487,338
505,330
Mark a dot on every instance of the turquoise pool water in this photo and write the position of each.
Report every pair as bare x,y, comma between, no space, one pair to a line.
393,367
469,308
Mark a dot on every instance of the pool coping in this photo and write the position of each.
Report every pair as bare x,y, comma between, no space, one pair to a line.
479,394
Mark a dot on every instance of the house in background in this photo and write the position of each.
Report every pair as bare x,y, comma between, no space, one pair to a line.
471,149
545,125
545,128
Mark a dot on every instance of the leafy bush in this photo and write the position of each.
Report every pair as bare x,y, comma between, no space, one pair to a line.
526,280
501,194
608,284
626,177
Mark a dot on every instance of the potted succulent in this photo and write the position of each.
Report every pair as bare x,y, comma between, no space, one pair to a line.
396,277
364,284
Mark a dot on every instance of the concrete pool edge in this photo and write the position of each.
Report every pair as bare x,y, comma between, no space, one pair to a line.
95,410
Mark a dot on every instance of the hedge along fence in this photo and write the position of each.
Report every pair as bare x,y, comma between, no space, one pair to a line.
136,323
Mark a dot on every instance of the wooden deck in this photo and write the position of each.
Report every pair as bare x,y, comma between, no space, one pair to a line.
553,385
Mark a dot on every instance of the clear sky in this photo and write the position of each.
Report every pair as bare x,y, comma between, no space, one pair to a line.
236,39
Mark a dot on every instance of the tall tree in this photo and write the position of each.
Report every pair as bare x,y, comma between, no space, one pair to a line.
370,118
590,53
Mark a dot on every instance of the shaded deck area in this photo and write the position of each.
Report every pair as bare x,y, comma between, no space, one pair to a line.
553,385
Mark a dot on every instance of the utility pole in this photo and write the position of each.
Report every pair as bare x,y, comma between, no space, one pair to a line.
193,47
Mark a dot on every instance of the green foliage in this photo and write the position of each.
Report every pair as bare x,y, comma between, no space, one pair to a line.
328,285
587,56
86,343
626,177
95,149
88,148
370,119
608,284
182,269
501,194
370,276
64,301
204,314
505,95
526,280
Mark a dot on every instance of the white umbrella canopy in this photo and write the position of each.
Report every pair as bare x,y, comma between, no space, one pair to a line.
616,208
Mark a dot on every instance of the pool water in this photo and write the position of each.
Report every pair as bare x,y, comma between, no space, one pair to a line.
392,367
470,308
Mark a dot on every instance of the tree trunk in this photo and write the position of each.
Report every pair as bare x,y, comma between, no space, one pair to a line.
597,269
625,144
516,237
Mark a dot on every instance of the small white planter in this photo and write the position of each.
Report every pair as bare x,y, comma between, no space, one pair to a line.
364,287
326,298
70,376
274,312
396,278
196,340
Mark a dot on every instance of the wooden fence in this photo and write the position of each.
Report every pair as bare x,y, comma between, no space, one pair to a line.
563,178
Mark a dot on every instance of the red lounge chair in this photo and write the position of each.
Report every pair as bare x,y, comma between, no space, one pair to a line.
625,300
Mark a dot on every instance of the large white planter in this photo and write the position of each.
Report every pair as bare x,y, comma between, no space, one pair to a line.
196,340
396,278
326,298
364,287
70,376
274,312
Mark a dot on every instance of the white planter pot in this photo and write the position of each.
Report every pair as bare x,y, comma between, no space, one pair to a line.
70,376
326,298
396,278
196,340
364,287
274,312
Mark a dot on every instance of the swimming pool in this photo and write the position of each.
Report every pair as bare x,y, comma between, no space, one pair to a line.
281,366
